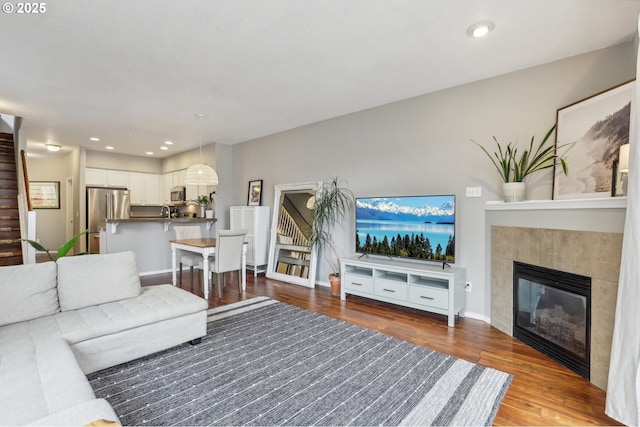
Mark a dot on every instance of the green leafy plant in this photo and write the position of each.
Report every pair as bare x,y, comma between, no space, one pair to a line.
513,167
331,206
204,200
62,250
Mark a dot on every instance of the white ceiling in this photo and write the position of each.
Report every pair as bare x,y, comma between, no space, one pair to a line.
135,73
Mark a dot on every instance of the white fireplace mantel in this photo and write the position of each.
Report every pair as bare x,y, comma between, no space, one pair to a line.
599,203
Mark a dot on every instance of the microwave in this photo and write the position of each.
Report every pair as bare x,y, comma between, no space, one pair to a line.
178,196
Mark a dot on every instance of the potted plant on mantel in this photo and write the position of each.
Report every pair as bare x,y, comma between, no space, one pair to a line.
514,168
332,204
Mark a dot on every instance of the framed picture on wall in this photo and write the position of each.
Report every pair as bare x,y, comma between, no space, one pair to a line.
597,129
255,193
44,194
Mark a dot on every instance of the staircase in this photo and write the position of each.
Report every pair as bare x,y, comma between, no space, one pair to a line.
10,245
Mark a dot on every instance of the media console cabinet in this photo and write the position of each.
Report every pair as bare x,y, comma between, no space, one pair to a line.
426,287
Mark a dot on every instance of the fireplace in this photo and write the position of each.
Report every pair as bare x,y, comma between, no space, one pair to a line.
552,313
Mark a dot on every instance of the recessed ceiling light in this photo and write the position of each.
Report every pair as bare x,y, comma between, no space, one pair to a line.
164,148
480,29
94,139
53,147
168,142
149,153
108,147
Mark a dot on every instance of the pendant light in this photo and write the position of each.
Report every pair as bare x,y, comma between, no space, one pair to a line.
200,173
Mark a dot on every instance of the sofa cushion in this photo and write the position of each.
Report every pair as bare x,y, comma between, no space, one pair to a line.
40,380
89,280
27,291
154,304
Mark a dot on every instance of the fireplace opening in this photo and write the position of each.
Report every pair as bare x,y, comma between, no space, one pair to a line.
552,313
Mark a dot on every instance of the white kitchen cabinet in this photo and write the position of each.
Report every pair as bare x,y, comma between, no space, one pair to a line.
166,184
145,188
96,177
195,191
169,181
117,179
255,219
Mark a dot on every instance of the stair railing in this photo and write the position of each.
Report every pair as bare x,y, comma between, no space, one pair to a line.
288,227
25,210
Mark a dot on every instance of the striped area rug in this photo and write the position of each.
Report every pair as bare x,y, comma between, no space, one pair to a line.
265,362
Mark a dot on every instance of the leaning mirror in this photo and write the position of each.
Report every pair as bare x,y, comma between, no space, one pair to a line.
290,257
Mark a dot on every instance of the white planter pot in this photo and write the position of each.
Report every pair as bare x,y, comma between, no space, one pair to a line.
513,191
208,213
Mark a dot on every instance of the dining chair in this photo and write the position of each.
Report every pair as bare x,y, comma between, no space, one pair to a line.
228,256
189,259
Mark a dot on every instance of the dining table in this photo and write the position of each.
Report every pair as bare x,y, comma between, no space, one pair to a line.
206,247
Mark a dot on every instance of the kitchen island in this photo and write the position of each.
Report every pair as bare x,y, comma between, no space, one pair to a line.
149,238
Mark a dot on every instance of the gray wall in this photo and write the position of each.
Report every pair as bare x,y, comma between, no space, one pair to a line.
422,146
51,223
115,161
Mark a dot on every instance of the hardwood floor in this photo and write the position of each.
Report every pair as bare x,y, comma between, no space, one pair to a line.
541,393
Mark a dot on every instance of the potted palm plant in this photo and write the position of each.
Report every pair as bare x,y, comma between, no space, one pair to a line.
62,250
332,204
514,167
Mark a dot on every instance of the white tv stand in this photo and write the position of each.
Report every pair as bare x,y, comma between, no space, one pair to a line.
423,286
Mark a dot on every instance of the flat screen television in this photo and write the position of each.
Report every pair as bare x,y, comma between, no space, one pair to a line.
419,227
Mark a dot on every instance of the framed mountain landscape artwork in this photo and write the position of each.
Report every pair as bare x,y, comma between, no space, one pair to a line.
591,135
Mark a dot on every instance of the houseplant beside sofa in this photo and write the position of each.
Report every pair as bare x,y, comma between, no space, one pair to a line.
62,320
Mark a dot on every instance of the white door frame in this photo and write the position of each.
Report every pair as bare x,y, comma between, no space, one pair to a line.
69,210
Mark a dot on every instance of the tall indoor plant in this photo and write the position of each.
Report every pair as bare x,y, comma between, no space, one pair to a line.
62,250
514,167
332,205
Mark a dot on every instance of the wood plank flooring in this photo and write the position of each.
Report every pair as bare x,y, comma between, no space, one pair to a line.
542,392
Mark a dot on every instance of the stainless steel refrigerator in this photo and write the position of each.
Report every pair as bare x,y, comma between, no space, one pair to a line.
103,203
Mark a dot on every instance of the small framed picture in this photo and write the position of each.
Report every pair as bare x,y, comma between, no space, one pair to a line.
597,129
44,194
255,193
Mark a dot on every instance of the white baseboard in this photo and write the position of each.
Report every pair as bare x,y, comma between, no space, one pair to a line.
148,273
477,316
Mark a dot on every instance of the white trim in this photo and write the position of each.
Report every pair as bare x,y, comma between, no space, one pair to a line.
602,203
148,273
477,316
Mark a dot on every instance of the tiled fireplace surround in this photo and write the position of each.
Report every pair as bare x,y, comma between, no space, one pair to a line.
588,253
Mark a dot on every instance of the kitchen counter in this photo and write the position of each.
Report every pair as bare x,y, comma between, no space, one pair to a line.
162,219
113,224
149,238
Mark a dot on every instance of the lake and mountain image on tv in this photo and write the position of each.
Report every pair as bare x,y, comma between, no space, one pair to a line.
421,227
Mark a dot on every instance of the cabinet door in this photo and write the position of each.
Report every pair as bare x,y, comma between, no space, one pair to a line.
178,178
241,217
117,179
261,233
95,177
166,182
248,221
136,188
144,188
192,192
236,218
152,189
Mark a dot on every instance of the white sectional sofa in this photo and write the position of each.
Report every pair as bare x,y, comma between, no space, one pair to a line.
62,320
